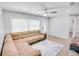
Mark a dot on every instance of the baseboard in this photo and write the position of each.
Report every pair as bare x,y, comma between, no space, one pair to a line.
56,37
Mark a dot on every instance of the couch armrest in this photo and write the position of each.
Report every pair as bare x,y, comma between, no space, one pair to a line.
36,52
45,35
9,48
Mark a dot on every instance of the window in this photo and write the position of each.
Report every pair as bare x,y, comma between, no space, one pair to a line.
34,24
18,25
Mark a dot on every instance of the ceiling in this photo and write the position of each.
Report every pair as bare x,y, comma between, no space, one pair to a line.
55,4
36,8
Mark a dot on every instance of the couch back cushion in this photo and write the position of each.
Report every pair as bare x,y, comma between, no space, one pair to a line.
29,33
16,35
9,48
25,34
20,35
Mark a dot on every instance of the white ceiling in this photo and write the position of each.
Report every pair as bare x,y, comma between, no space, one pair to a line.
33,7
55,4
28,7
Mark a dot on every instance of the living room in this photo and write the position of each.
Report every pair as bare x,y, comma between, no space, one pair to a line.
38,28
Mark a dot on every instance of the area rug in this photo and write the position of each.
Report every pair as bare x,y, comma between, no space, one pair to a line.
48,48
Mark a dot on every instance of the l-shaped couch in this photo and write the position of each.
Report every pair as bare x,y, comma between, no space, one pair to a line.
19,43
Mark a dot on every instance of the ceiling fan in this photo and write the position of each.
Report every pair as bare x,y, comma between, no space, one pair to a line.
48,11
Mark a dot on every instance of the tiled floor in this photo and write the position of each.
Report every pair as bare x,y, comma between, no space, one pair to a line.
65,50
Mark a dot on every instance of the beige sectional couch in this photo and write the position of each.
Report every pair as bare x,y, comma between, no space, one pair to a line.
18,44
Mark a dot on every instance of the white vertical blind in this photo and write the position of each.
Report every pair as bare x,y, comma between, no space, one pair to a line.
18,25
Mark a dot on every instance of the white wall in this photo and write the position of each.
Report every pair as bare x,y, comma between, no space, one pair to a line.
44,25
1,31
59,25
71,23
8,15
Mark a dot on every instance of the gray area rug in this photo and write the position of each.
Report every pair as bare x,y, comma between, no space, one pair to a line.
48,48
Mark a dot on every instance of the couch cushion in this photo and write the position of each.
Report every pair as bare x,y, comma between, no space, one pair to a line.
25,34
30,40
38,37
34,31
18,41
16,35
24,49
30,33
41,36
9,48
33,39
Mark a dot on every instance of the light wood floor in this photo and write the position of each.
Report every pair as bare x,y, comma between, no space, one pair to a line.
66,42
